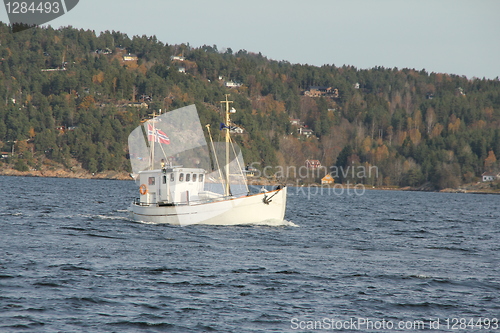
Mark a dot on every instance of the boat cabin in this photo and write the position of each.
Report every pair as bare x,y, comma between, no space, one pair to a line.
171,186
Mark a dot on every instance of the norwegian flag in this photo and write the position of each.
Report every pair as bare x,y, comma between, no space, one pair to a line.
157,135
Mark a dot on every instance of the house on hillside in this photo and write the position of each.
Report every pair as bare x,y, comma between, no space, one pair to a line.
305,131
138,105
236,130
130,57
101,51
250,171
327,180
313,164
145,98
318,91
177,58
231,84
490,176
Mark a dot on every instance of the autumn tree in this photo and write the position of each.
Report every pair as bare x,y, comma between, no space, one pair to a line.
490,161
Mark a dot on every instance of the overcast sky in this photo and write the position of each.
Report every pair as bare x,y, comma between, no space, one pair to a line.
445,36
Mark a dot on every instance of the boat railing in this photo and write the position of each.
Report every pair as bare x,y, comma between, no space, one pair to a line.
138,202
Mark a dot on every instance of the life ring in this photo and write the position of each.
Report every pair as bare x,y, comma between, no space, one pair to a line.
143,189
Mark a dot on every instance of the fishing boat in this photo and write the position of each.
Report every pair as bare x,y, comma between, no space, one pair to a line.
183,180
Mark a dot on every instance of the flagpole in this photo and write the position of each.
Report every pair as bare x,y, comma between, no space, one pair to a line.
227,148
152,157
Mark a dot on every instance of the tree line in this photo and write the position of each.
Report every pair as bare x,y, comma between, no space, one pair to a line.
68,95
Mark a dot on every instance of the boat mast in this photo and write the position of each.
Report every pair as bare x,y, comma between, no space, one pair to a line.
227,190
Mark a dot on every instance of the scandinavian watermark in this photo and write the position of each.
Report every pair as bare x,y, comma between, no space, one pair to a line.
303,172
354,178
335,190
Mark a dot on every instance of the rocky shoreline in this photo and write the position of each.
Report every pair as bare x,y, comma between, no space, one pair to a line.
80,174
475,188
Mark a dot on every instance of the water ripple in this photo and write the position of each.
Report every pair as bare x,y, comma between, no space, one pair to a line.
84,267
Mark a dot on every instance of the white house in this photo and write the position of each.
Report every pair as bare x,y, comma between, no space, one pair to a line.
231,84
237,130
138,105
490,176
305,131
130,57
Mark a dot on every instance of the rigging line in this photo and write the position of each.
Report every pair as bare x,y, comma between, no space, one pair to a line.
239,165
213,150
164,154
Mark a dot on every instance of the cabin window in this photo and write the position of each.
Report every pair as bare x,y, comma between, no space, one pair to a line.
172,178
194,177
151,180
201,178
188,177
164,179
181,177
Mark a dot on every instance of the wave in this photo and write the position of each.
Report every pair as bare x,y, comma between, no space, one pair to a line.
12,214
143,324
277,223
108,217
100,217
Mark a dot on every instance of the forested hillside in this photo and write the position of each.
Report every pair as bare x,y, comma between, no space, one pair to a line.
69,95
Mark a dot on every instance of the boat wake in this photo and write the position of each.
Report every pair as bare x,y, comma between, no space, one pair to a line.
104,217
277,223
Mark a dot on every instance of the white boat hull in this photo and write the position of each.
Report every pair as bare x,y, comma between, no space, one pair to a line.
243,210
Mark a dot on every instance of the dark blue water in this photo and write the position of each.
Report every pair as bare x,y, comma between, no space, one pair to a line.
71,261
